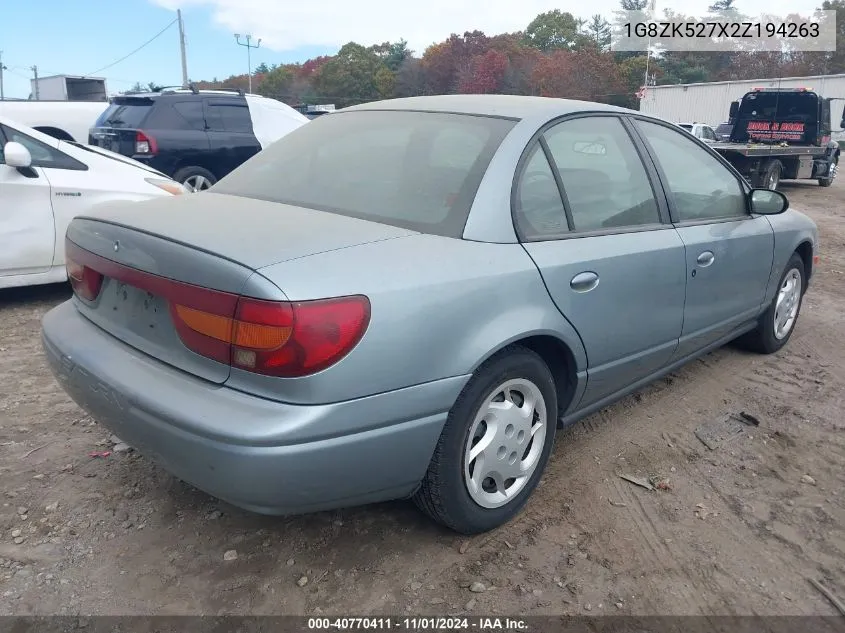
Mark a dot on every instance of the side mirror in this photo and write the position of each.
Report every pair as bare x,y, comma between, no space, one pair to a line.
768,202
735,109
17,155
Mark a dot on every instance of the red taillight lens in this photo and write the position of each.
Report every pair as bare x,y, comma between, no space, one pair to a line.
145,144
86,282
277,338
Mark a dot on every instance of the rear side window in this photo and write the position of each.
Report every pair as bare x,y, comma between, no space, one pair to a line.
229,117
176,115
417,170
126,113
604,180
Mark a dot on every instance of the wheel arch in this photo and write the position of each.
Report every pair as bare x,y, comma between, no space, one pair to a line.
805,251
55,132
560,358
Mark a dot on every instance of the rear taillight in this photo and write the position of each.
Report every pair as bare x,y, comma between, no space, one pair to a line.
144,143
285,339
86,282
274,338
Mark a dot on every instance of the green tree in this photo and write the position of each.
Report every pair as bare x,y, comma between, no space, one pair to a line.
598,31
277,83
722,5
553,30
385,82
633,5
262,69
393,54
349,77
137,87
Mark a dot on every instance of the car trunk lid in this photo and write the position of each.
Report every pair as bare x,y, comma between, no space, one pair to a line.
156,267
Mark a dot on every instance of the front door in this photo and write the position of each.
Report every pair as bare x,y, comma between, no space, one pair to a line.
27,234
729,252
612,263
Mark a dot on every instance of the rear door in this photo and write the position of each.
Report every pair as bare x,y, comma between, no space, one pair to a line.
27,232
729,252
598,230
230,133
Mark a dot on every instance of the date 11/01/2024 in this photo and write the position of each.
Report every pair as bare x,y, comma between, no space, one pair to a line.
418,624
729,30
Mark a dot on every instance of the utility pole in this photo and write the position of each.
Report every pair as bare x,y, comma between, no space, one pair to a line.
37,91
2,68
248,59
182,48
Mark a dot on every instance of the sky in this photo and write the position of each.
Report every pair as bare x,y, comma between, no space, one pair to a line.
95,33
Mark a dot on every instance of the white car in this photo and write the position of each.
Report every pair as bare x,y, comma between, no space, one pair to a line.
64,120
701,131
44,184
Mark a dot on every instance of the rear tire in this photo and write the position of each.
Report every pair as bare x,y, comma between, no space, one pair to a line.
769,178
509,436
827,182
777,323
195,178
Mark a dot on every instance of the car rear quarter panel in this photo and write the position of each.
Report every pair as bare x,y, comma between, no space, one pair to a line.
791,229
439,306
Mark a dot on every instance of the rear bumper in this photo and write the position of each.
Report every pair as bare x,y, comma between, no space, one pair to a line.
261,455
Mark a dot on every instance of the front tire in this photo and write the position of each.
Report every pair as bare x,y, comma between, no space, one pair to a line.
769,178
495,444
777,323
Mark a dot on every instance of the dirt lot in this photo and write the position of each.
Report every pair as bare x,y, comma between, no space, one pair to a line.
738,532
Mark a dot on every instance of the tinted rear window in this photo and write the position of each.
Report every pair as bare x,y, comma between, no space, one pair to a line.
417,170
724,129
125,113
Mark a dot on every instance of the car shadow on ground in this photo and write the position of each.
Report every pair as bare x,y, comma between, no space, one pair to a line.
30,296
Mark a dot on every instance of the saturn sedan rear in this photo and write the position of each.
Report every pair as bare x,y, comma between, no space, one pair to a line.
407,298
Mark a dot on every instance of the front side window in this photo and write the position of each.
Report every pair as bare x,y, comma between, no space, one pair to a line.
416,170
604,180
42,154
702,187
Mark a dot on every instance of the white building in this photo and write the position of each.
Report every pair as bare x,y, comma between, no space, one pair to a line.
709,102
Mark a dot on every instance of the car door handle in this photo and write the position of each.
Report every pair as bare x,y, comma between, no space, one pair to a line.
584,282
705,259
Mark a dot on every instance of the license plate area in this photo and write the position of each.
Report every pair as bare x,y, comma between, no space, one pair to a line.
134,309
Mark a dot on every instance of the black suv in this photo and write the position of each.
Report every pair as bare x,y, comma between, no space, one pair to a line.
194,136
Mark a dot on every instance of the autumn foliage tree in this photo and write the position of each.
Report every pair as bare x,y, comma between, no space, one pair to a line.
556,55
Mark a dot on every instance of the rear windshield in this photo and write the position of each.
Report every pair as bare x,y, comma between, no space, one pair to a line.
788,106
724,128
686,126
416,170
125,113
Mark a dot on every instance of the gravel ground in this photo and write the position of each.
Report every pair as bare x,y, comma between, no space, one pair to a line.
736,530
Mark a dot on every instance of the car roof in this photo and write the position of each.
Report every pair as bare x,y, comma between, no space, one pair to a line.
510,106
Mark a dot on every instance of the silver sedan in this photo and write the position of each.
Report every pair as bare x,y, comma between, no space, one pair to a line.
407,298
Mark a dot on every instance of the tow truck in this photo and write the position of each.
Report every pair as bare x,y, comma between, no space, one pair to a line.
782,134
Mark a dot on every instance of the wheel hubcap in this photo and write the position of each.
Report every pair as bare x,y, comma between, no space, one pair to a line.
786,307
832,174
505,443
774,177
197,183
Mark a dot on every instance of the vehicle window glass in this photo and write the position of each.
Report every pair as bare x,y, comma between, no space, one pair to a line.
191,114
604,180
231,117
129,113
538,206
709,134
701,186
2,145
42,155
383,166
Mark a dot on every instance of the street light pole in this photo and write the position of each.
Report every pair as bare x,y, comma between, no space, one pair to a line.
248,46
